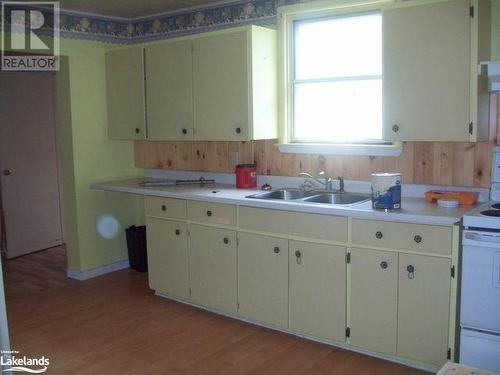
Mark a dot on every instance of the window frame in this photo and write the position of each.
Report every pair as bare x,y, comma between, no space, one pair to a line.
288,16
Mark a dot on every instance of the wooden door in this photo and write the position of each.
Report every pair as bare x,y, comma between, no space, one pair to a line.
168,265
423,308
221,87
28,162
263,278
374,298
212,257
169,91
318,290
426,54
125,93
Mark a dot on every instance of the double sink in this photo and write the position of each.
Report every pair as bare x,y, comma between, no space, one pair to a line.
325,197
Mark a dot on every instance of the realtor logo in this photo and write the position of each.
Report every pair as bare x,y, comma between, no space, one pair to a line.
30,35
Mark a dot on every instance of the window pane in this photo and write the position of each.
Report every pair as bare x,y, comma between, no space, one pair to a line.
338,47
344,111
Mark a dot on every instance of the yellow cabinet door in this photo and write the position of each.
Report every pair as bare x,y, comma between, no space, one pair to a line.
318,290
423,308
125,93
374,299
221,87
169,91
263,278
168,257
212,260
427,65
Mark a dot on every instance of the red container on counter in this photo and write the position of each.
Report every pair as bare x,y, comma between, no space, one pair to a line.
246,176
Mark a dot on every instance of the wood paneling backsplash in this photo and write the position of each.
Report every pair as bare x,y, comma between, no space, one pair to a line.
440,163
461,164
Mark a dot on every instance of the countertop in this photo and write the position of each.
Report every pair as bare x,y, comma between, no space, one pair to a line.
414,210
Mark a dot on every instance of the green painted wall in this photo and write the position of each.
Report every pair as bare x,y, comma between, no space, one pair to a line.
88,156
495,30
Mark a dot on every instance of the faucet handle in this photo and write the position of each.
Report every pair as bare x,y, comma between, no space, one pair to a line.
325,175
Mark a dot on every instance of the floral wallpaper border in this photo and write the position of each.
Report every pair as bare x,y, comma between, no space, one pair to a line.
168,25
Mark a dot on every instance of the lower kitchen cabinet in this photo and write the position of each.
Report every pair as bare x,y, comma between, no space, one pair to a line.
263,278
374,300
423,308
213,267
391,301
318,290
168,257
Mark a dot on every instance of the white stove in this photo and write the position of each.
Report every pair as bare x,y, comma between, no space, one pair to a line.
480,288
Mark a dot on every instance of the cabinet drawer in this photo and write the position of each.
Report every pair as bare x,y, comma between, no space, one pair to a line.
261,219
212,213
321,227
165,207
402,236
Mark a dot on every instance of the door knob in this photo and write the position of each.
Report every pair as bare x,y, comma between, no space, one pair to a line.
7,172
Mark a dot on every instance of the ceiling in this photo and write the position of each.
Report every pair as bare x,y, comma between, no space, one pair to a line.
134,8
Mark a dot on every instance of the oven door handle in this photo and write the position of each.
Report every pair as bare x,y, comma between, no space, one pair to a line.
481,239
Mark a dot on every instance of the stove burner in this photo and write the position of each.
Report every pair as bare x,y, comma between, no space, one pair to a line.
491,213
496,205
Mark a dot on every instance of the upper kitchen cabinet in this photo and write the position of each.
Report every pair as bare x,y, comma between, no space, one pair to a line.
125,93
234,85
169,90
430,76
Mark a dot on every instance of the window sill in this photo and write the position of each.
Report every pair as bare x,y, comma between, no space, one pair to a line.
342,149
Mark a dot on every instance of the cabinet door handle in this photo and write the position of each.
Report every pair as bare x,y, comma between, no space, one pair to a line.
384,265
379,234
177,232
163,207
417,238
209,213
238,130
276,250
411,271
395,128
298,257
184,131
226,240
7,172
137,130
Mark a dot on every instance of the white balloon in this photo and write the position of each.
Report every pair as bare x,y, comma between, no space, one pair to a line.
108,226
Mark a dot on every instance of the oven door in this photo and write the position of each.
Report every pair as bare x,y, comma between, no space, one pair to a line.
480,304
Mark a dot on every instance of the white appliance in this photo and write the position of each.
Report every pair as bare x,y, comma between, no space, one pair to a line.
480,288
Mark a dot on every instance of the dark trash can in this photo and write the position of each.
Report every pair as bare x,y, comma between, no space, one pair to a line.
137,249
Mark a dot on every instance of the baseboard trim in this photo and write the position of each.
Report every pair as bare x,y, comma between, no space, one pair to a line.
99,271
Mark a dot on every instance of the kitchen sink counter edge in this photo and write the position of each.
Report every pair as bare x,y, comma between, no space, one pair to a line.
414,210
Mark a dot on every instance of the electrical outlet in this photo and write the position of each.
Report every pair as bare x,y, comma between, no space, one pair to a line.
234,157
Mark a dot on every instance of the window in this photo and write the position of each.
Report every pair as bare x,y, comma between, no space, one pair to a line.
336,80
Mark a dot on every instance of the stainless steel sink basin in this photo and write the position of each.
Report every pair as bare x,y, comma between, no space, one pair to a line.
337,198
311,196
282,194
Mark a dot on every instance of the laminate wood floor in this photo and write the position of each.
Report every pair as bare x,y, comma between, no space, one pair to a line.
115,325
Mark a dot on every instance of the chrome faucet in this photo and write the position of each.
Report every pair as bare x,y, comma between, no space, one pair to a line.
325,180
